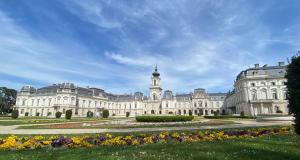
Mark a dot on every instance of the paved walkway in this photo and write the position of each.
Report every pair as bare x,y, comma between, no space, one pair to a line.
243,123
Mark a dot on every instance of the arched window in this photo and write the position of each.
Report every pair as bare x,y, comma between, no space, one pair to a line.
58,100
154,82
65,100
264,94
284,94
23,102
152,112
73,101
274,94
253,95
154,97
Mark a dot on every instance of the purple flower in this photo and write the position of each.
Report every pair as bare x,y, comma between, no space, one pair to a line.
155,138
102,138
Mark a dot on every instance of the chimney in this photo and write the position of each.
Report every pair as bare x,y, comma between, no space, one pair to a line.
256,65
280,63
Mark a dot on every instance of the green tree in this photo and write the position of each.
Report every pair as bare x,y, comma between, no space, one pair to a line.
293,86
15,114
7,99
105,113
68,114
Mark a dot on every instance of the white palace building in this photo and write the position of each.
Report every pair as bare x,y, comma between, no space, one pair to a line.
48,100
257,90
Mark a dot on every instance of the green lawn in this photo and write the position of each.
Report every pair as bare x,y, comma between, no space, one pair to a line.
275,148
21,121
120,126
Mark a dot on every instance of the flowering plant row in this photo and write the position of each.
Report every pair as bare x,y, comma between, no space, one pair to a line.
34,142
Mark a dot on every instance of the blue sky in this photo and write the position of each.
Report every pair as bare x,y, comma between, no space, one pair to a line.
115,45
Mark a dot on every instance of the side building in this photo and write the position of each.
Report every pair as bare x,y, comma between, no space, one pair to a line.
259,90
46,101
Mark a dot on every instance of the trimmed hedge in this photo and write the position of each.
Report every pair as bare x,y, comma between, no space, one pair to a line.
89,114
105,113
15,114
228,116
68,114
164,118
58,114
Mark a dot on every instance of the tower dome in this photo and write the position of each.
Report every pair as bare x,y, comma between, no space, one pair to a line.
155,73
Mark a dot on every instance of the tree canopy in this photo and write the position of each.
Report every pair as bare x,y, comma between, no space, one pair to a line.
7,99
293,86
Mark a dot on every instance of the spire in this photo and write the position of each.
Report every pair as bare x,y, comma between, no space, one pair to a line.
155,73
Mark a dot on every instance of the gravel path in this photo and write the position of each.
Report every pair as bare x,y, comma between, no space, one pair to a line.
243,123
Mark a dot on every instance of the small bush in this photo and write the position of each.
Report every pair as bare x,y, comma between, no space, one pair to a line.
127,114
242,114
279,111
58,114
216,113
68,114
113,114
15,114
105,113
26,114
89,114
49,114
37,114
164,118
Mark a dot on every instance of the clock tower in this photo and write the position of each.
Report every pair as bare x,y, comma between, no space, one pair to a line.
155,89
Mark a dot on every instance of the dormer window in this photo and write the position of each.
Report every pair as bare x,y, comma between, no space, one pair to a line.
273,83
253,84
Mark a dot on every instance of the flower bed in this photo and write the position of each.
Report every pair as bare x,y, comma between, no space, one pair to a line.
164,118
21,143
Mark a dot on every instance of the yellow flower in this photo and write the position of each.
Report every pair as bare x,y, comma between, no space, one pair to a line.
148,140
76,140
86,144
46,142
175,135
128,138
38,138
135,142
108,135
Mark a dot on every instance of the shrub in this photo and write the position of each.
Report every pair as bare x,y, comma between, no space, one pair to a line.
127,114
15,114
89,114
26,114
216,113
279,111
49,114
113,114
68,114
164,118
37,114
58,114
105,113
293,89
242,114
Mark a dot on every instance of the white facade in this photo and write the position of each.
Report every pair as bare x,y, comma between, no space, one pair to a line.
259,90
48,100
